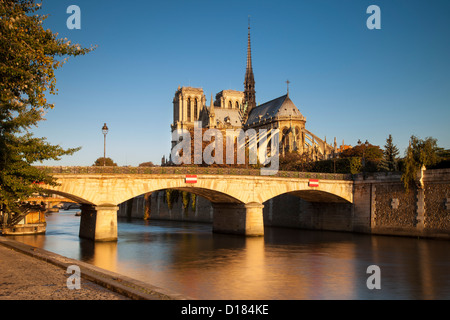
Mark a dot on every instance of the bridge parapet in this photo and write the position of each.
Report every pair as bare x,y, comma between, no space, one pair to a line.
190,170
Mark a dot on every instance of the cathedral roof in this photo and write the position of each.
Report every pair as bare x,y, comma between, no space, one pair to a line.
279,107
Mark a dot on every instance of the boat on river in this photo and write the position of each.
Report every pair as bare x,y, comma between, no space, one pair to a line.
32,223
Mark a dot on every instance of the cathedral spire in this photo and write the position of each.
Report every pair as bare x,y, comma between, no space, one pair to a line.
249,50
212,116
249,82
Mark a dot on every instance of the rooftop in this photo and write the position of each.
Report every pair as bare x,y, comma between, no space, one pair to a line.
279,107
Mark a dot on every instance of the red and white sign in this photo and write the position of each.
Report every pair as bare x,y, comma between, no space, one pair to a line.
191,179
313,182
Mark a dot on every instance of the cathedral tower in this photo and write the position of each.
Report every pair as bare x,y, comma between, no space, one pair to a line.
249,82
187,105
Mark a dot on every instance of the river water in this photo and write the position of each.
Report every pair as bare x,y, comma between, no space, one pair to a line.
285,264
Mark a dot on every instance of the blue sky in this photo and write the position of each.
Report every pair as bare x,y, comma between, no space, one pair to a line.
348,81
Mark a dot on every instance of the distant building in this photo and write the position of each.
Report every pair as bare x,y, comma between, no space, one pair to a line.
233,109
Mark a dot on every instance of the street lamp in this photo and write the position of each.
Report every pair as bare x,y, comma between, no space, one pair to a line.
364,147
105,131
366,144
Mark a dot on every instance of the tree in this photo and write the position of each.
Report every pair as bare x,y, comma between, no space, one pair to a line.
147,164
390,154
293,161
443,159
420,153
367,150
29,56
371,156
108,162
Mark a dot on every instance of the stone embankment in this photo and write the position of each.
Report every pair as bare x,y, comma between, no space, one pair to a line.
29,273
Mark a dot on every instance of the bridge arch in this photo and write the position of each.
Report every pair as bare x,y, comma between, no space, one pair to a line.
212,195
314,196
69,196
115,189
309,209
326,191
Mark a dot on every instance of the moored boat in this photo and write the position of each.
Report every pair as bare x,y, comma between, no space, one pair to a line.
33,223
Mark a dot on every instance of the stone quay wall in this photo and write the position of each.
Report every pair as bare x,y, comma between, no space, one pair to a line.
382,202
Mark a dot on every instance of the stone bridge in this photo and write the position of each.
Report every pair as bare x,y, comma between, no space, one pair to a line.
237,195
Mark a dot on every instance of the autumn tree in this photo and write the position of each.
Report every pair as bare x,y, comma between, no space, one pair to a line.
366,150
29,57
370,155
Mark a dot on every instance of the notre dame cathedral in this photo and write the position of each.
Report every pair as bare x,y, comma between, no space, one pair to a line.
233,109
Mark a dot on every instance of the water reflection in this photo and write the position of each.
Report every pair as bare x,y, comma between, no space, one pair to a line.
285,264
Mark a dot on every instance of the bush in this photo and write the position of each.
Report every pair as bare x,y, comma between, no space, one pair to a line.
105,161
441,164
342,165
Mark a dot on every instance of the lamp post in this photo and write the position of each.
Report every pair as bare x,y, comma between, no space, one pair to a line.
105,131
366,144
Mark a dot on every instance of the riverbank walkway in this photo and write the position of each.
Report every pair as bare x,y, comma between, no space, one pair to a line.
29,273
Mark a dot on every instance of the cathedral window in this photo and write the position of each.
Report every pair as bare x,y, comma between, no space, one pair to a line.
189,109
285,140
195,109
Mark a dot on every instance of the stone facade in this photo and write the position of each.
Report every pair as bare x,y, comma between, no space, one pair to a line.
421,211
394,206
187,105
437,200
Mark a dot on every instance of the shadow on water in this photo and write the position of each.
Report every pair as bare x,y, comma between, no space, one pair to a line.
284,264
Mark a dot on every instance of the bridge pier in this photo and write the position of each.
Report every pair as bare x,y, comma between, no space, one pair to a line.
98,223
242,219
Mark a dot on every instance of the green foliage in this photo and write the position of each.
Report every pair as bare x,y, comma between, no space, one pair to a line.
369,152
292,161
29,56
443,154
108,162
390,156
186,199
193,201
342,165
147,164
443,159
370,158
418,154
171,197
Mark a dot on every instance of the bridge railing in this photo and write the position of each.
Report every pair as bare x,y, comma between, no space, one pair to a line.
189,170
